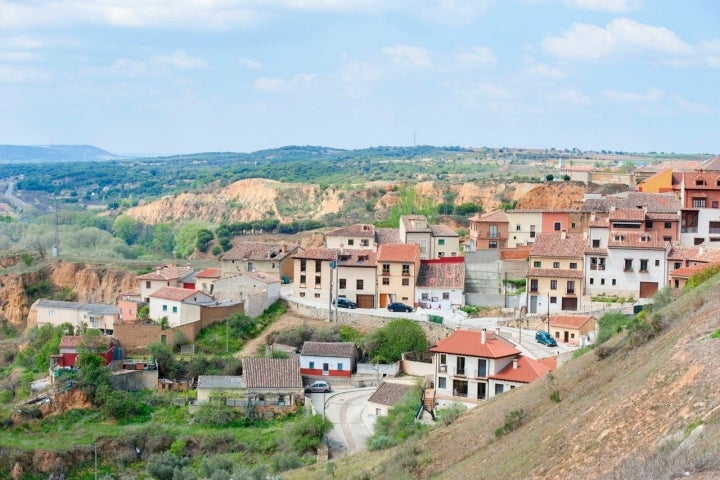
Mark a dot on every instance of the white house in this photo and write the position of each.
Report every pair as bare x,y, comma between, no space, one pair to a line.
441,284
354,237
90,315
471,366
335,359
386,396
256,290
165,276
179,305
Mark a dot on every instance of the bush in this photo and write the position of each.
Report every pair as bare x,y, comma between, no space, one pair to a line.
399,424
513,421
216,416
218,467
306,434
164,466
286,461
450,414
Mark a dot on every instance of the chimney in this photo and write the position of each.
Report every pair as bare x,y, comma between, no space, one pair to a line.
515,363
483,336
283,248
563,234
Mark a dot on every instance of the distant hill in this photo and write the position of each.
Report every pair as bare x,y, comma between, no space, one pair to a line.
53,153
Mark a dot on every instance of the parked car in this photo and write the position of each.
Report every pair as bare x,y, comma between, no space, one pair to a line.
399,307
318,387
545,338
344,303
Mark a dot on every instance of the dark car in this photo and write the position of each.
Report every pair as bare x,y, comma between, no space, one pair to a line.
345,303
545,338
318,387
399,307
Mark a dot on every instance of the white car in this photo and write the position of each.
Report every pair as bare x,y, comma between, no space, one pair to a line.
318,387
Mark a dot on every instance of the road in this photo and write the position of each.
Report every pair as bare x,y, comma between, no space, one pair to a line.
347,410
12,198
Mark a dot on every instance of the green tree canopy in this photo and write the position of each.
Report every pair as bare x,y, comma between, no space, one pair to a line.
127,228
387,344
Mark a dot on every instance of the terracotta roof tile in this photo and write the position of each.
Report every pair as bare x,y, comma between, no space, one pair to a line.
260,251
398,252
497,216
387,235
389,393
469,342
167,272
272,373
554,273
553,245
415,223
329,349
208,273
70,341
570,321
683,252
173,293
635,214
527,370
357,230
316,254
441,275
643,240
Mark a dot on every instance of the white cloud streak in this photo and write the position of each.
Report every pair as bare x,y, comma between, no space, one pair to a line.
406,55
606,5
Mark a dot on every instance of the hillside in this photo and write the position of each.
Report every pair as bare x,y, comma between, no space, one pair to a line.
645,412
53,153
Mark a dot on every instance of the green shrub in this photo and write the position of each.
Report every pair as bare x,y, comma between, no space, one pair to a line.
216,416
286,461
306,434
448,415
399,424
513,421
165,466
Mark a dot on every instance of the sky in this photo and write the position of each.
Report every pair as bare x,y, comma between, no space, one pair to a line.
186,76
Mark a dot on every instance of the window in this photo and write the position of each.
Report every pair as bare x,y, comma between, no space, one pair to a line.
386,269
406,269
302,294
164,308
386,281
597,263
441,254
351,242
648,224
553,284
443,359
667,238
147,284
668,224
498,388
532,231
460,364
614,282
318,280
303,265
174,310
342,283
573,265
425,297
698,202
678,265
699,182
657,263
537,264
317,295
359,284
557,226
340,365
423,246
714,204
318,266
556,264
572,225
628,265
553,300
592,281
492,244
250,267
312,365
571,286
533,285
364,242
441,241
518,227
482,367
302,280
643,265
446,295
602,281
493,233
596,243
442,382
405,282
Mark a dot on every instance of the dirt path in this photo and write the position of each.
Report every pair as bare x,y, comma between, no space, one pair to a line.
285,322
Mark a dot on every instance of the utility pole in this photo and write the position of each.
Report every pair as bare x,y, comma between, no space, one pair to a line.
330,293
227,334
337,279
96,463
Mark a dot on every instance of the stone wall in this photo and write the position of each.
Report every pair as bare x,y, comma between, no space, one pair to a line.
368,321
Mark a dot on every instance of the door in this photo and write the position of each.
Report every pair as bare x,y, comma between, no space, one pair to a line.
567,337
326,369
648,289
533,304
569,303
384,300
365,301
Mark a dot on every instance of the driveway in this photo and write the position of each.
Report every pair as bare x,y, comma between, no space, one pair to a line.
346,409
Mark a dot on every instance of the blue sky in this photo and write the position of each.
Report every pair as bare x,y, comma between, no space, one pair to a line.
182,76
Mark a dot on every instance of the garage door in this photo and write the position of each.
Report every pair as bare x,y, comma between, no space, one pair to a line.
569,303
648,289
365,301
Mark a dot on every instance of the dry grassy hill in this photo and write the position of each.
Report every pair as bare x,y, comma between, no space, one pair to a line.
641,412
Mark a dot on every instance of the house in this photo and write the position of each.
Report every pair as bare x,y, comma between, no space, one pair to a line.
271,258
489,231
179,305
472,366
444,242
398,266
435,241
128,305
165,276
441,284
227,390
273,383
360,236
335,359
66,358
204,279
386,396
79,315
555,276
257,290
572,329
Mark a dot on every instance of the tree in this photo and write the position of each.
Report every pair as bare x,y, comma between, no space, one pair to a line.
186,239
127,228
204,237
387,344
163,238
549,177
164,357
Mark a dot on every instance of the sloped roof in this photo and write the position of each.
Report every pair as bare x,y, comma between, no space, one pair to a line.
220,382
208,273
527,370
70,341
409,222
570,321
469,342
441,275
387,235
329,349
317,254
554,273
552,244
398,252
260,251
635,240
357,258
443,231
710,165
262,277
635,214
94,308
651,202
498,216
357,230
175,293
272,373
389,393
683,252
168,272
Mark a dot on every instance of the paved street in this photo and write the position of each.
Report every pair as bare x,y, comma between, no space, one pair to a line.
346,408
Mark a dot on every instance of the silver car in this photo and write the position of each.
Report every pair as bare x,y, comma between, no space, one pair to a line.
318,387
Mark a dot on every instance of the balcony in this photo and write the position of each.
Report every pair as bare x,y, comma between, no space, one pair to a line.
570,291
689,230
442,368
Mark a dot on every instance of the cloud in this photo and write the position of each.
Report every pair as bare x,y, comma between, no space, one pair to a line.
10,74
653,95
136,68
475,56
621,36
569,96
453,12
276,84
543,70
407,55
180,59
251,64
606,5
19,56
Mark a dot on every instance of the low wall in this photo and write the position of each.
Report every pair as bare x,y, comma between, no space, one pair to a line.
380,369
367,321
134,380
418,369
